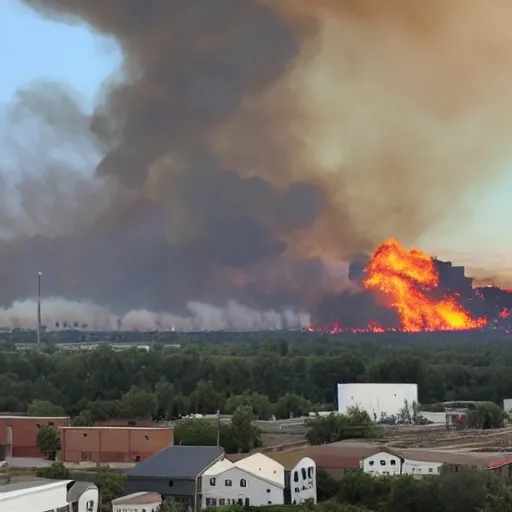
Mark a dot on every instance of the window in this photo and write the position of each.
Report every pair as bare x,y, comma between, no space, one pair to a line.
430,470
222,502
143,510
171,483
240,502
243,482
393,462
246,502
269,503
84,434
310,472
295,476
211,502
371,463
227,483
303,471
382,462
213,481
89,506
268,490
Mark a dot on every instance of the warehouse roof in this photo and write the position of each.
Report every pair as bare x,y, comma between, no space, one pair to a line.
180,462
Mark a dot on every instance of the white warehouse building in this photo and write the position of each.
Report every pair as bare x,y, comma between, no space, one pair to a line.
376,399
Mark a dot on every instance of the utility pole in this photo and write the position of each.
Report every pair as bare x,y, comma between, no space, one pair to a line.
218,428
39,293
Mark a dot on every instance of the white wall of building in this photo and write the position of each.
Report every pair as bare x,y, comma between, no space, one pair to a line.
376,399
388,464
421,468
235,484
303,481
36,499
147,507
507,405
382,463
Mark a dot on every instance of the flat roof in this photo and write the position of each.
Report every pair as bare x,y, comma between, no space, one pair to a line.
107,427
20,485
138,498
34,417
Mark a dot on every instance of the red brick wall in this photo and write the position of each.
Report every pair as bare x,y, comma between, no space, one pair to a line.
113,444
24,433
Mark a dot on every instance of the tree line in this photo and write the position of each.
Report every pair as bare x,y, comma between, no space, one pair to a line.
279,377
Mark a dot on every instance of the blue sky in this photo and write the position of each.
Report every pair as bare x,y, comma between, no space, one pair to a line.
34,48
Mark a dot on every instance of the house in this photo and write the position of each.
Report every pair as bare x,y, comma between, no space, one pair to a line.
175,471
137,502
113,444
389,463
18,434
41,495
255,480
292,479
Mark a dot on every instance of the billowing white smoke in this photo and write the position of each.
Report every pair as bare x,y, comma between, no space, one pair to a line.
58,313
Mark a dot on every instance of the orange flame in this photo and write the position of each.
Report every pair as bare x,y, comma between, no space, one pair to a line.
404,277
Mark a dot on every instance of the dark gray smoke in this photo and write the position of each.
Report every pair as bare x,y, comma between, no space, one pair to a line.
142,213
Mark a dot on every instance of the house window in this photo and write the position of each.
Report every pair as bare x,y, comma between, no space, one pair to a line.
243,482
228,483
371,463
382,462
269,503
212,481
240,502
268,490
310,472
222,502
89,506
295,476
171,483
246,502
393,462
303,471
211,502
430,470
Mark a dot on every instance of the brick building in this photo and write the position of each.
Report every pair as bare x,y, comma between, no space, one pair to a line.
113,444
18,434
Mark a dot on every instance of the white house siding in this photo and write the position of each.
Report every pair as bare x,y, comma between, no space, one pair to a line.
303,481
420,468
382,464
38,498
376,399
385,464
257,491
507,405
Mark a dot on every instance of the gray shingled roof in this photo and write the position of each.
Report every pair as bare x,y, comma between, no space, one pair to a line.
179,462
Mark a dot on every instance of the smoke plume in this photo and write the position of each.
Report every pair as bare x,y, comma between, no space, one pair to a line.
58,313
246,136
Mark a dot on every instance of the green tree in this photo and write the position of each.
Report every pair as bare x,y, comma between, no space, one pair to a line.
336,427
172,505
43,408
57,471
292,405
260,404
48,440
84,419
242,435
486,416
166,397
195,432
138,403
110,485
205,399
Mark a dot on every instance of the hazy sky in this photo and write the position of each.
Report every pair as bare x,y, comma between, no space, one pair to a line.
33,48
